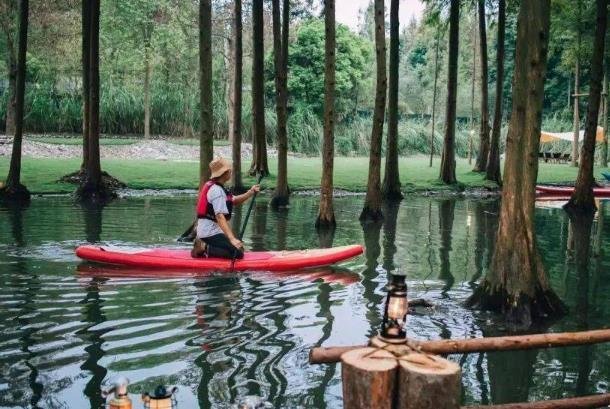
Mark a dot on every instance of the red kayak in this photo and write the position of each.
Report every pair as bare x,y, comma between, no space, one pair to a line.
566,191
254,260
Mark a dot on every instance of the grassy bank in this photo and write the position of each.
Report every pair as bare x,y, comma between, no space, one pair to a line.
41,175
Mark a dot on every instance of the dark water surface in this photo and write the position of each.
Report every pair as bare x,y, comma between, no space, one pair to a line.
67,328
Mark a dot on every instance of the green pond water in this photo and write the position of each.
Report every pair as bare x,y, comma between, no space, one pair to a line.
67,328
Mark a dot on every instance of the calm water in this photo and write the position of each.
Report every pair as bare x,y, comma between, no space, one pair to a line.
66,328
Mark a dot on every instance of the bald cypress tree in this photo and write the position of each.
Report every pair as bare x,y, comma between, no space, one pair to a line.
582,197
14,190
326,213
517,284
372,201
259,159
391,178
447,173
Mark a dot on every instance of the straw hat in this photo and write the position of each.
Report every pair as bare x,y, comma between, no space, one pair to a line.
218,166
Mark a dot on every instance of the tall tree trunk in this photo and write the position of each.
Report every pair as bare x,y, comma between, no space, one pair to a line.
86,45
326,213
372,201
438,35
582,198
14,190
230,68
493,162
147,72
516,284
481,163
206,126
280,54
473,86
94,169
259,159
235,136
576,123
8,23
604,152
447,173
577,88
391,179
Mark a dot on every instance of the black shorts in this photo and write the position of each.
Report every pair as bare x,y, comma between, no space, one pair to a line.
220,246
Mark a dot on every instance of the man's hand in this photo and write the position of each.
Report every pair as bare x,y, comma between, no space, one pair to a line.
237,243
254,189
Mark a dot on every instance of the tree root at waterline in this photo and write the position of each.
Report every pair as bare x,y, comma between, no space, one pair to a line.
14,193
520,310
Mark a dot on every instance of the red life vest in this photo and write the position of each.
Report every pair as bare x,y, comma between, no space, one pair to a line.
205,210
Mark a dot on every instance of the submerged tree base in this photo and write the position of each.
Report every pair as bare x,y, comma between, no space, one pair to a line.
80,177
98,193
392,194
14,194
326,223
370,215
521,311
280,200
580,207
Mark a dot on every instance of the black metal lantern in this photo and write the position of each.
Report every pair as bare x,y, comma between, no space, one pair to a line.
396,308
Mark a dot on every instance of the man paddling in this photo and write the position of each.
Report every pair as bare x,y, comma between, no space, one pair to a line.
215,238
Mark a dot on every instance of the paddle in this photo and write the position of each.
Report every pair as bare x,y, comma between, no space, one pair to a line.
243,227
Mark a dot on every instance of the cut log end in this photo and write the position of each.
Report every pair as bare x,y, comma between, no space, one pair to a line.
370,359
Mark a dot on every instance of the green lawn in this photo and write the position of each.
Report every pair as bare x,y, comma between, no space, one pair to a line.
195,141
40,175
61,140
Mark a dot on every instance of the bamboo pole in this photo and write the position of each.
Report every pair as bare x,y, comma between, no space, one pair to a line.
583,402
460,346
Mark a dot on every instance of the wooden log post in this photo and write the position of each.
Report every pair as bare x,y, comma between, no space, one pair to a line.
428,382
369,378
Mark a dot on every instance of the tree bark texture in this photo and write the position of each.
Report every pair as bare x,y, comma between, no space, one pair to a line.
259,160
372,201
391,179
147,72
516,284
206,126
604,153
447,173
481,163
369,378
582,197
581,402
14,189
493,161
235,135
428,382
436,52
576,123
86,33
475,345
8,26
577,86
94,169
326,213
280,54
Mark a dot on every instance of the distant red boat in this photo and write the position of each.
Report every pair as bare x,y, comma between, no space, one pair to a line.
566,191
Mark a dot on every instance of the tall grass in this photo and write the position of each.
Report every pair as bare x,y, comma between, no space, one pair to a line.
175,112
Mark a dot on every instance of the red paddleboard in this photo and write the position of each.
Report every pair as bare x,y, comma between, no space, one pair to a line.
181,258
566,191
